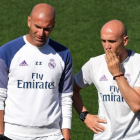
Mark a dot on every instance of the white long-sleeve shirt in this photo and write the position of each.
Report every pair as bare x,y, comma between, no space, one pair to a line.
36,85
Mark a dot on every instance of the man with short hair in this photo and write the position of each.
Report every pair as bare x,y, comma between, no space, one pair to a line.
36,82
116,75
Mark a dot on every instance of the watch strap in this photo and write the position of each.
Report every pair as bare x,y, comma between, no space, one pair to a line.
83,115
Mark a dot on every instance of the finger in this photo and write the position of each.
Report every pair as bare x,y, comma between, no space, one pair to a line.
108,55
116,58
107,52
99,128
94,130
102,121
114,54
107,60
111,58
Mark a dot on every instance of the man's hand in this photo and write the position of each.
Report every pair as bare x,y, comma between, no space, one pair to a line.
66,134
113,62
92,122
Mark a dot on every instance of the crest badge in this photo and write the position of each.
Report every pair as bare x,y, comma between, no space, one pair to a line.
128,77
52,64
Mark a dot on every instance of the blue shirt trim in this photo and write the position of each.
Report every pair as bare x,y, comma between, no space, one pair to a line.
8,50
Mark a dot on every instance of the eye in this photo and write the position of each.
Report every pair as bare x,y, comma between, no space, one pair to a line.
37,26
103,40
47,29
112,41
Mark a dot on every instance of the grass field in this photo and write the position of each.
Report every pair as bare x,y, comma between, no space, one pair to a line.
78,24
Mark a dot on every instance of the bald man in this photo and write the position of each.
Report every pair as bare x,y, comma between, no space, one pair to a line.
36,83
116,75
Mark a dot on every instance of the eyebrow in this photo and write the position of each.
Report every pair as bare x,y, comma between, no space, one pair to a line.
108,40
41,27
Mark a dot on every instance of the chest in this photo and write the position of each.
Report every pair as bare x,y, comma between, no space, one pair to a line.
35,65
104,82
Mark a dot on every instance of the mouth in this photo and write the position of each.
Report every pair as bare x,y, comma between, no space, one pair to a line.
41,39
108,49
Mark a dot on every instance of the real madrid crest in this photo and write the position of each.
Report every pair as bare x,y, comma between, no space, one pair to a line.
52,64
127,76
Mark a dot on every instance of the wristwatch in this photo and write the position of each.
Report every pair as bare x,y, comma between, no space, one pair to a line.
1,137
83,115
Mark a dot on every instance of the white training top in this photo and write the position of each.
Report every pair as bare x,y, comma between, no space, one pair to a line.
36,85
122,123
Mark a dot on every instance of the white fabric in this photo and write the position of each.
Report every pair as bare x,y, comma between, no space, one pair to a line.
3,95
57,136
39,88
122,123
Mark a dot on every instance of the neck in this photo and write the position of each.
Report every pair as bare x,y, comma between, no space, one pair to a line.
29,39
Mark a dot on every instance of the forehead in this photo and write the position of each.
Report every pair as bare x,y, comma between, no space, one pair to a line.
41,21
109,34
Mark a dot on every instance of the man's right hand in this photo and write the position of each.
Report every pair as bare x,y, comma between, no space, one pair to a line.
92,122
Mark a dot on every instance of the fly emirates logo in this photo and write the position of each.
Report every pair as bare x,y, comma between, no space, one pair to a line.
34,84
114,95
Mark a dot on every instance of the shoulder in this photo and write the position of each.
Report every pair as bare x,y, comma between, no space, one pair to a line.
12,45
135,57
94,64
8,50
63,51
100,58
57,46
96,61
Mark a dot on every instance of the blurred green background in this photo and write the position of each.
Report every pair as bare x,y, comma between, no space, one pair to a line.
78,24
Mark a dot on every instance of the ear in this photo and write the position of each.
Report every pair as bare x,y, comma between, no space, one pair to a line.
126,39
29,21
53,25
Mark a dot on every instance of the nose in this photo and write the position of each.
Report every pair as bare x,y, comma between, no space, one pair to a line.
107,45
41,32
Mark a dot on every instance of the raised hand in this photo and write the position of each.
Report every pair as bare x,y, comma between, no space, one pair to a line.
113,62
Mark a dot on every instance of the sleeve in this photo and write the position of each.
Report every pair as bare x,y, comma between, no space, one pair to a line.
3,83
84,77
66,92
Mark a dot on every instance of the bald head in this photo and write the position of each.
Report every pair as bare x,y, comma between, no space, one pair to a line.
114,37
41,23
115,26
44,11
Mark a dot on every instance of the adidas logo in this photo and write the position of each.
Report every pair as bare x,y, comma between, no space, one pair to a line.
23,63
103,78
